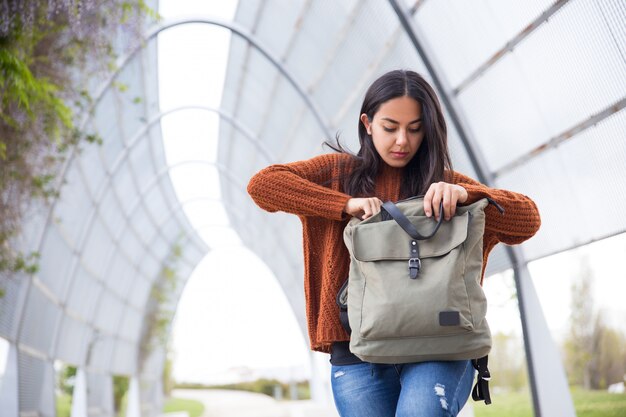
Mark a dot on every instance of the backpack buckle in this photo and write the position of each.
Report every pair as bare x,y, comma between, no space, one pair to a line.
415,265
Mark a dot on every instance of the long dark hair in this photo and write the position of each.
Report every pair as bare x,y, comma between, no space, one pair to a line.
432,158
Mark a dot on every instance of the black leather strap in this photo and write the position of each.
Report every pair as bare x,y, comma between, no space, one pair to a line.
481,389
415,263
406,225
343,308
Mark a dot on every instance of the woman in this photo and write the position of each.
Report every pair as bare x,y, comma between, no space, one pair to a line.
403,153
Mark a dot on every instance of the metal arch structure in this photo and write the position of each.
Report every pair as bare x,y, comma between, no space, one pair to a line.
361,40
122,63
546,372
204,20
235,28
156,181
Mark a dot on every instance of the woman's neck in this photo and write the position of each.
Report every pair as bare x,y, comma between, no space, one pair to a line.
386,170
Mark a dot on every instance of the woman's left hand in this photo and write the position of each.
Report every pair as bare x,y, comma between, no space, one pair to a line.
451,194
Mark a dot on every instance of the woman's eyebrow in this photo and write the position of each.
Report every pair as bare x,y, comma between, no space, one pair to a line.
393,121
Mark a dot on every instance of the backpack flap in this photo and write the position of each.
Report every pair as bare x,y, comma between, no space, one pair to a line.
386,240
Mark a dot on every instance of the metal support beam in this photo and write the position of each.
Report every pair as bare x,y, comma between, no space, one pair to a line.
79,394
9,394
510,45
555,141
549,377
133,409
550,392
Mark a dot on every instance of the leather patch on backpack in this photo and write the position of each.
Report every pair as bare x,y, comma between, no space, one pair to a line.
449,318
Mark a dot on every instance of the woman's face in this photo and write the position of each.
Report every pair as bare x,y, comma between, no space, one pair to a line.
396,130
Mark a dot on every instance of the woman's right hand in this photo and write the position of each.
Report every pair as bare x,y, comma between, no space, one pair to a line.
363,208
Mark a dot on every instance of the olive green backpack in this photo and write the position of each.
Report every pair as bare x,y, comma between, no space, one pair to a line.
413,293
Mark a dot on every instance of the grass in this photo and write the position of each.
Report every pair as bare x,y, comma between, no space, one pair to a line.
509,404
599,403
586,403
63,405
194,408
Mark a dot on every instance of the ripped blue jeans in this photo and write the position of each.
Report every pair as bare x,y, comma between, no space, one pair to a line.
425,389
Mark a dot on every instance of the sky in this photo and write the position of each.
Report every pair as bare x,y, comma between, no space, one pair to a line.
233,325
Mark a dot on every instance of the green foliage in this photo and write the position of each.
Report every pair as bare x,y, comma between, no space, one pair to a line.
506,362
63,405
20,87
40,100
505,403
121,87
120,389
65,385
66,379
595,355
168,380
608,363
586,403
193,407
27,264
158,317
598,403
578,345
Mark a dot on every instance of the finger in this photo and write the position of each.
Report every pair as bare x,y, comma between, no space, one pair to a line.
371,206
437,197
379,204
446,203
454,199
366,214
368,209
428,199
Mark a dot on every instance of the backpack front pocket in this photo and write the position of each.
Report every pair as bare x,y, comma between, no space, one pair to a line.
395,306
392,305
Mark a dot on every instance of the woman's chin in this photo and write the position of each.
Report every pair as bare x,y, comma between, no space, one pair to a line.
396,162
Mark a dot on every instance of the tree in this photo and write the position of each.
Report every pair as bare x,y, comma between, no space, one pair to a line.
595,354
506,362
579,342
607,365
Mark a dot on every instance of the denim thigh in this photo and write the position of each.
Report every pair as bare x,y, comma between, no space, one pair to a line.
365,389
405,390
435,388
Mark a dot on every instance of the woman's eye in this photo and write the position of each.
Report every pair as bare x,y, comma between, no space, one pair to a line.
392,129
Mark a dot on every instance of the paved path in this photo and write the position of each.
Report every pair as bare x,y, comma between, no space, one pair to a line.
224,403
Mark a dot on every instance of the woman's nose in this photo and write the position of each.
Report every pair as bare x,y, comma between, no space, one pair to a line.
401,138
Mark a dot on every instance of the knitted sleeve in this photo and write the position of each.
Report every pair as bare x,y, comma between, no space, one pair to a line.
520,220
300,188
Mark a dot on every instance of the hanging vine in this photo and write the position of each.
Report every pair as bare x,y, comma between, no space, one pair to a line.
48,52
159,314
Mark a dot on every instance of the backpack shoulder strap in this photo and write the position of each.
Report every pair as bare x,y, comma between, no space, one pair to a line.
481,389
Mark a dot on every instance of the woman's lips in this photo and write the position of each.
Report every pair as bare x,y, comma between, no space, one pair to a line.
399,155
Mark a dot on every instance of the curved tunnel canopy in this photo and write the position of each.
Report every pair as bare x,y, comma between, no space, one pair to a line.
521,110
511,70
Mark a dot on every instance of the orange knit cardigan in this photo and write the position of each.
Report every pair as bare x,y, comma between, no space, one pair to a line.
311,189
